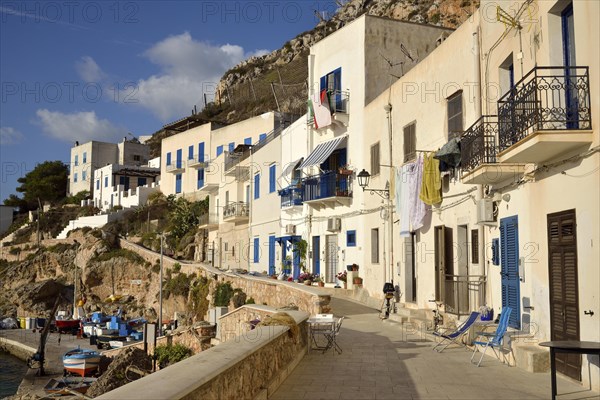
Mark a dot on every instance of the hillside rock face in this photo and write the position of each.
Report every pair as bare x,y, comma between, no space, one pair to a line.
445,13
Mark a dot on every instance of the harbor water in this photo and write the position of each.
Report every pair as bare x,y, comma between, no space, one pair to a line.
12,371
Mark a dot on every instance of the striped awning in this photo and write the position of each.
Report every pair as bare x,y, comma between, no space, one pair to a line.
322,151
291,166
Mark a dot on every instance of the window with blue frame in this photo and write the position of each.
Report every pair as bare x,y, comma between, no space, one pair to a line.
219,150
201,152
75,177
351,238
191,152
262,137
272,169
178,183
256,186
248,140
231,147
332,82
76,160
106,181
168,159
256,250
84,157
200,178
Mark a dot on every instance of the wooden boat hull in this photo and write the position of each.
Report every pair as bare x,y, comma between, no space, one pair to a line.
66,386
81,362
63,325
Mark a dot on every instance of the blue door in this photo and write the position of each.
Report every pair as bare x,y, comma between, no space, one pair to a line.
509,268
271,255
316,250
178,183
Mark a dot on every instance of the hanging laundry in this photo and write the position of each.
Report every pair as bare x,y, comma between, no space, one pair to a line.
418,208
449,155
321,113
403,199
398,188
431,192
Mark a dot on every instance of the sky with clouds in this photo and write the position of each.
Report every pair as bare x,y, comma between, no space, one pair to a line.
98,70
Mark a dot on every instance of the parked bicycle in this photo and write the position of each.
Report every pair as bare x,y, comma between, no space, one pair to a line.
438,318
387,307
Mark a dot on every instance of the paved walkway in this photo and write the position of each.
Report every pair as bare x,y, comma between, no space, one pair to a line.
380,361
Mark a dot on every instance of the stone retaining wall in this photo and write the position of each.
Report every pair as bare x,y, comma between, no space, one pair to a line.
17,349
237,369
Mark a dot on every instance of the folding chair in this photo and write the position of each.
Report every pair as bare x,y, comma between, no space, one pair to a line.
493,340
332,336
456,335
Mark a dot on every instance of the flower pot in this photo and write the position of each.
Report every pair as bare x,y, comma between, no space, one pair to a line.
357,280
308,282
344,171
321,284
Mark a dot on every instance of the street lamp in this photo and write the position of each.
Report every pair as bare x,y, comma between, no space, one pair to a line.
363,181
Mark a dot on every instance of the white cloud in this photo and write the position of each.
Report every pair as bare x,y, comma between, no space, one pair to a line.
89,70
10,135
189,68
81,126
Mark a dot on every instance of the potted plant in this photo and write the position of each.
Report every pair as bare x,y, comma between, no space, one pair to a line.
342,276
319,280
357,280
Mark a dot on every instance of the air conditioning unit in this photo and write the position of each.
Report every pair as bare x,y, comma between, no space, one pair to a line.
334,224
290,229
485,211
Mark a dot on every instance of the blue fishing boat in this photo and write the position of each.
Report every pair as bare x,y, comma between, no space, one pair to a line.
81,361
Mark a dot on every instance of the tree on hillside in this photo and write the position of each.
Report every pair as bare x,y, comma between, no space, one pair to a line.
47,182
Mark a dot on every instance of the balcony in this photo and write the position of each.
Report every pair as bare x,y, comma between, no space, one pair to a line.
176,168
464,293
546,114
339,102
327,190
236,212
478,155
291,196
233,160
196,163
208,221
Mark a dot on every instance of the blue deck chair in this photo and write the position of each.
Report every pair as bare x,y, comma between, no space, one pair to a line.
454,337
495,340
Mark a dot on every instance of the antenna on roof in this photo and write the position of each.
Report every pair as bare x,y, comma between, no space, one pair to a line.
405,51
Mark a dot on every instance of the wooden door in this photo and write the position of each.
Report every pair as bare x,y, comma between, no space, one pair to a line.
564,288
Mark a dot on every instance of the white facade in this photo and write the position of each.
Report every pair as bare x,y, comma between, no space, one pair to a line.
124,185
88,157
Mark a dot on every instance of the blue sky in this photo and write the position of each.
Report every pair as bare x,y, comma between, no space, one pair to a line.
83,70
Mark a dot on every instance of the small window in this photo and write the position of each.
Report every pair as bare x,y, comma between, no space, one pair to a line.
375,246
84,175
248,141
219,150
84,157
106,181
262,137
256,186
410,142
455,115
76,160
97,184
475,246
375,162
137,157
350,238
75,177
231,147
272,178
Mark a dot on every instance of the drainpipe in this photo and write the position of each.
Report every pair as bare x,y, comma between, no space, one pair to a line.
388,110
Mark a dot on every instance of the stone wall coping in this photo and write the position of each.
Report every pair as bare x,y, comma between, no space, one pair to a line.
297,315
183,378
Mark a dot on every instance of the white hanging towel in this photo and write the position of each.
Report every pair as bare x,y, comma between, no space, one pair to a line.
404,198
321,112
418,209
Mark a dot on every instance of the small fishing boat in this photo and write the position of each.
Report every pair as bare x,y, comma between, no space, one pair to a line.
81,361
68,385
67,325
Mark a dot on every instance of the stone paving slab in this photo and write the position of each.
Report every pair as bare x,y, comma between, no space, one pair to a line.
381,361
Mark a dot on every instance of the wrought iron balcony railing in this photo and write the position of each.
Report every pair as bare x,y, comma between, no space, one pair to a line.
478,143
546,99
208,219
328,184
237,209
291,196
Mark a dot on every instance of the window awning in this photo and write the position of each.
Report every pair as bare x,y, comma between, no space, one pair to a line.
322,151
291,166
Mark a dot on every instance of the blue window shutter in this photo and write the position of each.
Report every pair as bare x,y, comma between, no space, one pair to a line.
256,250
168,158
178,183
200,178
509,267
106,181
351,238
262,137
179,157
201,152
219,150
248,140
256,186
231,147
272,170
190,152
271,255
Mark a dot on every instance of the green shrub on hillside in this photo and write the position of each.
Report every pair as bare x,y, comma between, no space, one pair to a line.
223,294
166,355
123,253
